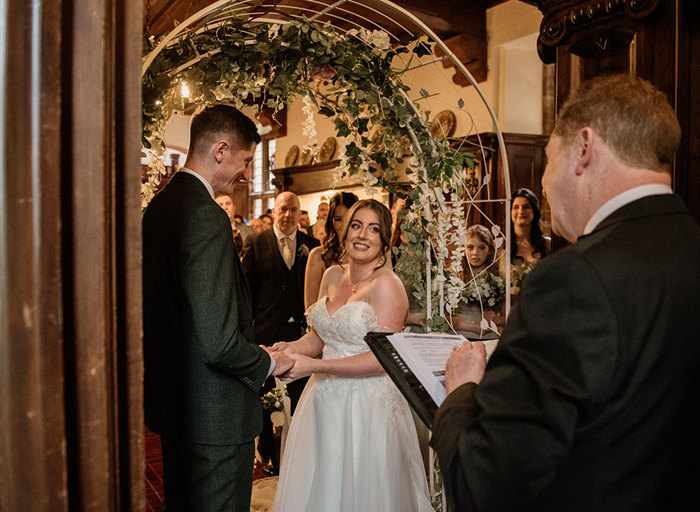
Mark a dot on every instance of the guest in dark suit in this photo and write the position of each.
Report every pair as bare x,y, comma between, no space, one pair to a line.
305,223
590,402
203,371
274,263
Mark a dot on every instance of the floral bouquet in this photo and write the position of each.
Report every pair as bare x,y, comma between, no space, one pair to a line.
486,288
272,400
517,275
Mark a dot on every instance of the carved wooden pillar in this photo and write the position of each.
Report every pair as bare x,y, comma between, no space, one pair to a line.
654,39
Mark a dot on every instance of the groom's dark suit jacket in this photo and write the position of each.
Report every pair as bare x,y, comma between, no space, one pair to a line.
278,292
591,400
203,370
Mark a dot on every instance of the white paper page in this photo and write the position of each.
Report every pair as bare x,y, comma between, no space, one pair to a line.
426,355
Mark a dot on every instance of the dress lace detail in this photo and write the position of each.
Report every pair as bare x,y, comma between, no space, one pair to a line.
352,443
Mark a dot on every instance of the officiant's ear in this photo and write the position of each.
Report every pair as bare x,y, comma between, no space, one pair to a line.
584,146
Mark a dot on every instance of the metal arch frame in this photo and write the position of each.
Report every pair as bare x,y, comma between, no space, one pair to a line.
218,8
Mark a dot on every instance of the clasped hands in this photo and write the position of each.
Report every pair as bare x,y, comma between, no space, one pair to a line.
290,365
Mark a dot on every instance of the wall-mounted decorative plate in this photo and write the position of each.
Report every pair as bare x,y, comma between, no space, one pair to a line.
327,150
306,157
443,125
292,156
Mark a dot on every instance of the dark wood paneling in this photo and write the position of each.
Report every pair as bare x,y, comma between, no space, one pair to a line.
102,257
664,49
127,213
32,448
70,362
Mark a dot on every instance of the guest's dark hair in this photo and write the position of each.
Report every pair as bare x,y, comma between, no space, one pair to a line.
221,122
384,216
331,251
535,236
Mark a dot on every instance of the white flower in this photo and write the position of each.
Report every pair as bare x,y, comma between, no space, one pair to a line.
303,250
379,39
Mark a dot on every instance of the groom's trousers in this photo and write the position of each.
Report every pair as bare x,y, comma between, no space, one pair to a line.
207,478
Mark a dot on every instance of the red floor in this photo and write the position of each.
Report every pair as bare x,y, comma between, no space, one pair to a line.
154,472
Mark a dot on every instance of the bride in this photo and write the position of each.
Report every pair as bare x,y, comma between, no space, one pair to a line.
352,443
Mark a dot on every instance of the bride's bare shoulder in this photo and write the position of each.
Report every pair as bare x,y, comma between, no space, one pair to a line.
387,283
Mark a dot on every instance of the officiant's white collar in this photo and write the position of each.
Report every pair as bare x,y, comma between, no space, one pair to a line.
621,200
200,178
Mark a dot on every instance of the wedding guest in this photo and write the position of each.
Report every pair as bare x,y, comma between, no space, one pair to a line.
480,312
329,253
528,245
225,200
352,444
305,223
267,221
202,368
257,225
320,224
274,263
589,402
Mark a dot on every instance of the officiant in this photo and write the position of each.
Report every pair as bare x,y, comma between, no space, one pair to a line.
589,402
274,263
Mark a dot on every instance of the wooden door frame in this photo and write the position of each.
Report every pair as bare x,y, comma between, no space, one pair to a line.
71,420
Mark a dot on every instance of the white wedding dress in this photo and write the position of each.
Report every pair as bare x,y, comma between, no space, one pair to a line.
352,444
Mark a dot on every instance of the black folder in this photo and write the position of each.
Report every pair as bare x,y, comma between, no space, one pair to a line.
411,388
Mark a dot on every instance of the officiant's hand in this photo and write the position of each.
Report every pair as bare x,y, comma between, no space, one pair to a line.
284,363
466,364
303,367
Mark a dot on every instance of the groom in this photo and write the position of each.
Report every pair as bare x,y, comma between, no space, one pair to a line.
590,402
203,370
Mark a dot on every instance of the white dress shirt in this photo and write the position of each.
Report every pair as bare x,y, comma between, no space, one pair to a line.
292,241
621,200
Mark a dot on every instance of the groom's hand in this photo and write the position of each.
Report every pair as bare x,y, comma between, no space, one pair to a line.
284,363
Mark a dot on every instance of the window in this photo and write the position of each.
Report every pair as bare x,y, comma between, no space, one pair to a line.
261,191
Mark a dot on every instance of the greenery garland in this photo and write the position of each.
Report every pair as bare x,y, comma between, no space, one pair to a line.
274,63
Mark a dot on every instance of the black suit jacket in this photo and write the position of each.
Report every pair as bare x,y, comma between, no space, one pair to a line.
203,369
278,292
591,400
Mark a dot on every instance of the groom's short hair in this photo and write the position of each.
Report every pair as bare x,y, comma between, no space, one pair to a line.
221,122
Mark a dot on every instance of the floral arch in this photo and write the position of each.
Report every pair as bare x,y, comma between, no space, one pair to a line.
348,66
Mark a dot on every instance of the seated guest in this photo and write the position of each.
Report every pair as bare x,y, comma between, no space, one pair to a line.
330,252
589,402
266,219
257,225
319,227
481,308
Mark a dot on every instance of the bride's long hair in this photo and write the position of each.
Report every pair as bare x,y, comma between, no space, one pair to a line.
384,216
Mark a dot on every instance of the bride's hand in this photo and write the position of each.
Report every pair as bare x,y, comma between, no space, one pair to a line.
303,367
283,346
